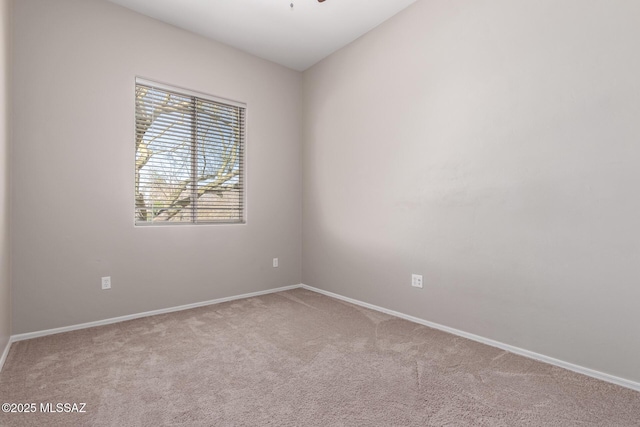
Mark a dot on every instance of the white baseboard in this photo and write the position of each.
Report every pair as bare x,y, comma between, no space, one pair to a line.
36,334
5,353
516,350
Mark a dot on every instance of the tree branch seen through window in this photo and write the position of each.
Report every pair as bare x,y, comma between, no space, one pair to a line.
189,158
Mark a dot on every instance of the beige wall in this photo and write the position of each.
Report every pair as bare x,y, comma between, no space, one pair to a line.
5,289
492,147
75,63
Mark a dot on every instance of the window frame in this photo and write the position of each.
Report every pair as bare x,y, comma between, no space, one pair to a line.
243,177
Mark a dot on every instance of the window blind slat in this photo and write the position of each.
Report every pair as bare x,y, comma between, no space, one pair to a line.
189,158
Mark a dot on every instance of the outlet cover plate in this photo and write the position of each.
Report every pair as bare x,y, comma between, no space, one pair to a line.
416,280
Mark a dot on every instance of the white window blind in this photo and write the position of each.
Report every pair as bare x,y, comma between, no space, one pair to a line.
189,157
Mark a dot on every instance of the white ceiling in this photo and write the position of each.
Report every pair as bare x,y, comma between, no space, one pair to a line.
295,37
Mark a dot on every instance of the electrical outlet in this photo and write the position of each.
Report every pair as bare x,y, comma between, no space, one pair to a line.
275,263
416,280
106,282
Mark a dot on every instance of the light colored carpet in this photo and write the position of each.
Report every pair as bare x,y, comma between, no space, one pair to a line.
295,358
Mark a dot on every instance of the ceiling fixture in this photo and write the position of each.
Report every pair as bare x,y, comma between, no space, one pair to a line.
319,1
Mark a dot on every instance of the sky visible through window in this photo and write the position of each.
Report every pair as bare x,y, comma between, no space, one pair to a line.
189,154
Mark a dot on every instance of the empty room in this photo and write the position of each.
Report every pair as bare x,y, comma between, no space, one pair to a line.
319,213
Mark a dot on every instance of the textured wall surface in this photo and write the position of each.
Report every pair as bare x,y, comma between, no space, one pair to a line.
5,288
492,147
73,177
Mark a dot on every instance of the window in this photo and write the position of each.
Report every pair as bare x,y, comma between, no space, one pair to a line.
189,157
